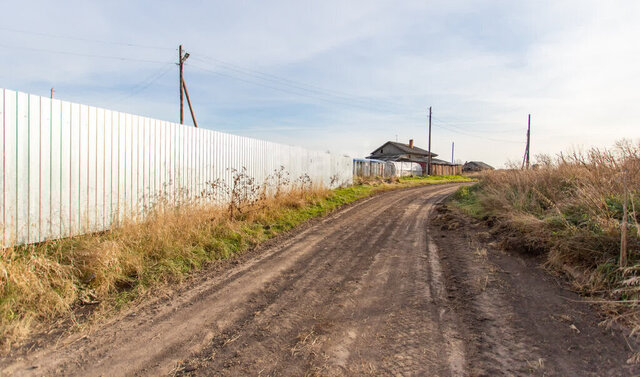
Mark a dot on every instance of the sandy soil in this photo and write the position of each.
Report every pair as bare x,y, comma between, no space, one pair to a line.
375,289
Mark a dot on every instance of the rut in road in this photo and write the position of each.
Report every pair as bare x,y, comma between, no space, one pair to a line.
364,304
359,292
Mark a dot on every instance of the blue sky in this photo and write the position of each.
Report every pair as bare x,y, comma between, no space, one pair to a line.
346,76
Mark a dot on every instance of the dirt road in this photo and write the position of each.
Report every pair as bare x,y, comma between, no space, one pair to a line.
374,289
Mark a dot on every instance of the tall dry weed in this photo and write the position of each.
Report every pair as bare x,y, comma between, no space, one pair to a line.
573,206
103,271
95,274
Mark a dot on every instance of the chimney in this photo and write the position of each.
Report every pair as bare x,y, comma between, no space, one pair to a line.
411,143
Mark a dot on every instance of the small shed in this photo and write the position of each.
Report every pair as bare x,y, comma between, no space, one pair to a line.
474,166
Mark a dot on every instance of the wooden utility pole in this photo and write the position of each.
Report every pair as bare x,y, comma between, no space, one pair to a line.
525,158
193,117
181,64
528,140
183,88
429,147
52,93
452,145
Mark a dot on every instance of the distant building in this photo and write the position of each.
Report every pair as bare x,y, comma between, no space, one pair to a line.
394,151
400,152
471,166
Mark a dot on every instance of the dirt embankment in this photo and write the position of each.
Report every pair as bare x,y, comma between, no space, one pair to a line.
518,318
374,289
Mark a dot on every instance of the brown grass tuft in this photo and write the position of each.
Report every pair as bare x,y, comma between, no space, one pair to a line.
571,207
104,271
96,274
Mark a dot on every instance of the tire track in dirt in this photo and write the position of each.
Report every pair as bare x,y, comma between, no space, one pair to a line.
357,320
254,318
331,266
378,288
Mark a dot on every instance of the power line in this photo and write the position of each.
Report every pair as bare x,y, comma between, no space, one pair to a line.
465,132
48,35
461,130
290,89
341,101
84,55
290,86
273,79
293,87
296,84
142,85
333,100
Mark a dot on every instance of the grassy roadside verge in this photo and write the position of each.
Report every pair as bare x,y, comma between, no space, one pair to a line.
579,213
104,272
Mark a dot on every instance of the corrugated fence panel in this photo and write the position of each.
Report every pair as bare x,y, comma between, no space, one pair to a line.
45,169
120,171
75,165
33,166
2,150
92,172
106,168
69,169
83,174
64,194
10,166
22,184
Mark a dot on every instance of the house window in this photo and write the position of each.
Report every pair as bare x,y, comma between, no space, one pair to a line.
381,150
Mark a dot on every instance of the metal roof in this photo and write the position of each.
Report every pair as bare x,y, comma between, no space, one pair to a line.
405,148
479,164
367,160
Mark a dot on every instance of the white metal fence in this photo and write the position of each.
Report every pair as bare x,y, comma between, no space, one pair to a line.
69,169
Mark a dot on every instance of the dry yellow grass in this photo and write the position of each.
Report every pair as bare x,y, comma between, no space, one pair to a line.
572,207
48,282
106,270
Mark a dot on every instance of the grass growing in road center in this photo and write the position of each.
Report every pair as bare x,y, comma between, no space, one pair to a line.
51,281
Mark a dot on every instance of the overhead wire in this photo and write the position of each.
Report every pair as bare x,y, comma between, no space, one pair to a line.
464,132
140,86
295,84
49,35
73,53
266,80
325,92
341,101
287,90
449,123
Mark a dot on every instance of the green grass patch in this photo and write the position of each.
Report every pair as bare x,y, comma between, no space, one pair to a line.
466,199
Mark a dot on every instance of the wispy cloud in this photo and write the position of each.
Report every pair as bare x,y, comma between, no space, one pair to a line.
346,76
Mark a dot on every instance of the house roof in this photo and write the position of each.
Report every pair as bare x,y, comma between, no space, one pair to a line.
406,149
479,164
367,160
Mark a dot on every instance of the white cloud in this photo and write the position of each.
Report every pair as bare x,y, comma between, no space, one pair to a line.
482,65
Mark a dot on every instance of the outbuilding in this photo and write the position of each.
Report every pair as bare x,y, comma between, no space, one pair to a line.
474,166
400,152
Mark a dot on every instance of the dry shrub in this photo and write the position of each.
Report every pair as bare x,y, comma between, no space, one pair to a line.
375,180
95,274
104,271
572,207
